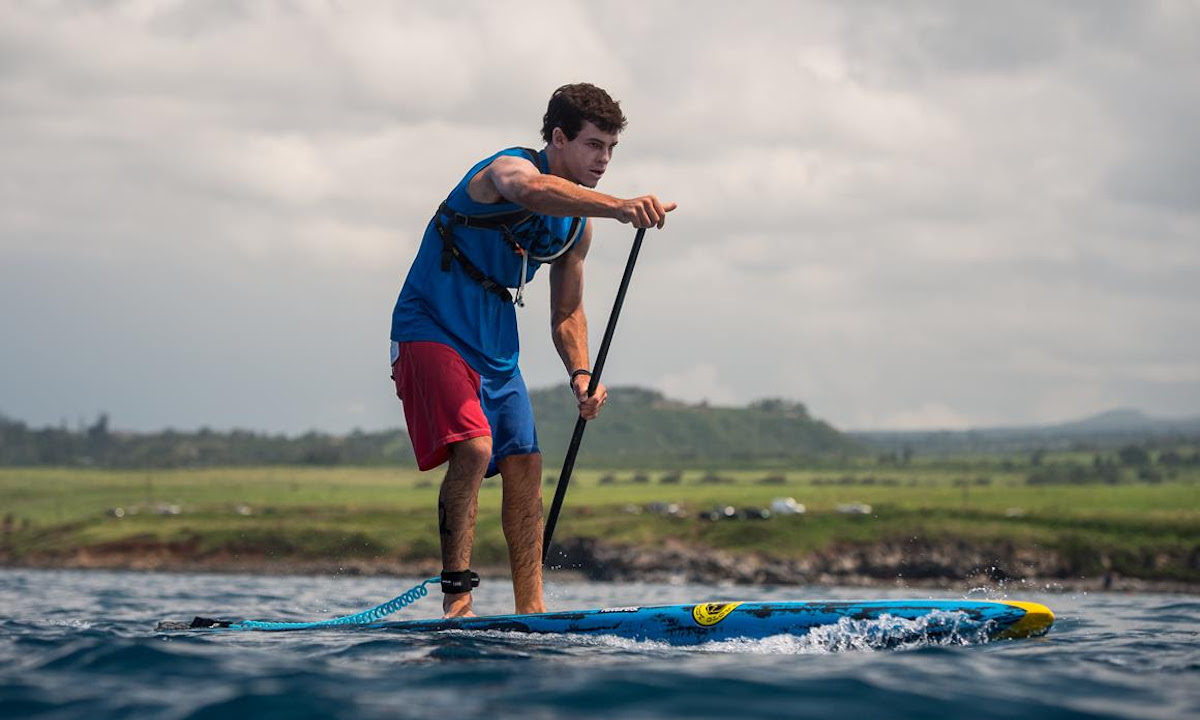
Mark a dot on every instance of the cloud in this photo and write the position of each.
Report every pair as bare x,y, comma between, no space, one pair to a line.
929,416
697,383
887,213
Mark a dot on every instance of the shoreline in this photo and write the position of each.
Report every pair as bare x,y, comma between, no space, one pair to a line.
596,561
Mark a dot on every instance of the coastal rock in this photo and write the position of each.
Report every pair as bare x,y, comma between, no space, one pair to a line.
917,562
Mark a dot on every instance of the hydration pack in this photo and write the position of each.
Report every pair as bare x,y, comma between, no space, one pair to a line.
512,225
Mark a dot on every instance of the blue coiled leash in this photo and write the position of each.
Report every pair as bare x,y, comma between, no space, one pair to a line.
366,617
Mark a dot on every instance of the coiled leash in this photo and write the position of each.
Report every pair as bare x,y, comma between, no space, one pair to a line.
451,582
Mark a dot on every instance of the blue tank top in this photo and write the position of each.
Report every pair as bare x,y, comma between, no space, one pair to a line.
451,308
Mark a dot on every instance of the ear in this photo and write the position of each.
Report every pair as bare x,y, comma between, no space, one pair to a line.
558,138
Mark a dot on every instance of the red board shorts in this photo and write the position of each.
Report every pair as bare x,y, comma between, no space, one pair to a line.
446,401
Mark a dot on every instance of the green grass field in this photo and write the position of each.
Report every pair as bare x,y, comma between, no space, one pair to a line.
1150,530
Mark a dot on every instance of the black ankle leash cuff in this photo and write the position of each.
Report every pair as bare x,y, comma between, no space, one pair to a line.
459,581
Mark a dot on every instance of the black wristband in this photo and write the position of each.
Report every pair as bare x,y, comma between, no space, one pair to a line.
576,374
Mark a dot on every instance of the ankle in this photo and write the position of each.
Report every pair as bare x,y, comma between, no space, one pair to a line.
456,603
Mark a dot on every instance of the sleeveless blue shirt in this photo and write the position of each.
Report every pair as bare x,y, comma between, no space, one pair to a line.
449,307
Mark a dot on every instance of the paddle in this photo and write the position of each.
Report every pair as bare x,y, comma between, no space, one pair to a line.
560,492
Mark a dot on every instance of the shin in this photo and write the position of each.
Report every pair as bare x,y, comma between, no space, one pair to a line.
457,505
521,515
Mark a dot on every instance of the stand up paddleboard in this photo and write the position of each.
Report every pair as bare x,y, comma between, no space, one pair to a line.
892,621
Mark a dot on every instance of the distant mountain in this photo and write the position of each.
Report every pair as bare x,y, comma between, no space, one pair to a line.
643,427
1109,421
1127,421
1106,430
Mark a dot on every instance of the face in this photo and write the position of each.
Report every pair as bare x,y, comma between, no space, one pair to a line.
585,158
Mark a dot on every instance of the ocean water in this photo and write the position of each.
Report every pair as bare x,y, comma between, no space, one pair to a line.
79,644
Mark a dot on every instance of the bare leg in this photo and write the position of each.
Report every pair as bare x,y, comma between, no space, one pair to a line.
521,515
457,504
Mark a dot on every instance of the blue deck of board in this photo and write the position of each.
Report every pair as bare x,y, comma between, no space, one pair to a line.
678,624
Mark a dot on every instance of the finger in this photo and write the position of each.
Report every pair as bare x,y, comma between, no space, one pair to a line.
659,210
670,206
660,214
644,220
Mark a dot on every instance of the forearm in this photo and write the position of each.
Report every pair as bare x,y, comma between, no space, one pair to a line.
570,335
552,195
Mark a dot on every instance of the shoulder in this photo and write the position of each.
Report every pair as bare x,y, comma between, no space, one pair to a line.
513,157
493,179
519,162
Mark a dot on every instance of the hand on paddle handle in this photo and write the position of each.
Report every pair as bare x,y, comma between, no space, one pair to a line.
589,407
645,212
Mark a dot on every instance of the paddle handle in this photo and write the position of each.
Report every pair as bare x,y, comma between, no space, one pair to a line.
564,479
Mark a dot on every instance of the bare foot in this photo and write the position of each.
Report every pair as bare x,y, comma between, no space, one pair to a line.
456,605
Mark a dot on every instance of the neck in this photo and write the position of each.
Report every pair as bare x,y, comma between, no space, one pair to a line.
554,161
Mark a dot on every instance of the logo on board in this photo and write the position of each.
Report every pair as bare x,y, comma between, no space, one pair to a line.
709,614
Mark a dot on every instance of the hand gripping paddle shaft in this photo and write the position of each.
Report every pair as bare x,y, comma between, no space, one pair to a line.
560,492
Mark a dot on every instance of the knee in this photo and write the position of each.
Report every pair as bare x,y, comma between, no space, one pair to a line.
473,454
522,465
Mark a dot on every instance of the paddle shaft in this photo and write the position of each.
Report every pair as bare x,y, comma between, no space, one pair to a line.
564,479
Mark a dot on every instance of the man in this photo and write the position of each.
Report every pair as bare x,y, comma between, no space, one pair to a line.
454,331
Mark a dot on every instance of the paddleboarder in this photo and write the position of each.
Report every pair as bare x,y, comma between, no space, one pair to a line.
454,342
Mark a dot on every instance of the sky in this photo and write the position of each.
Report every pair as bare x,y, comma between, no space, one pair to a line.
904,215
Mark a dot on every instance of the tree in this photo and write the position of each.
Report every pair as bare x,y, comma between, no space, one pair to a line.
1134,456
99,431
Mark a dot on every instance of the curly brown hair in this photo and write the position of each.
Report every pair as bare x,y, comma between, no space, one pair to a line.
571,105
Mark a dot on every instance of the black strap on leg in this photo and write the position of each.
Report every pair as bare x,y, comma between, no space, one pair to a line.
459,581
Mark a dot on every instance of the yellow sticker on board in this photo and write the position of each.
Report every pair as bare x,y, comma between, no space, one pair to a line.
708,614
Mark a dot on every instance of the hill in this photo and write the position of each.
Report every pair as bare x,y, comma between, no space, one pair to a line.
642,427
639,427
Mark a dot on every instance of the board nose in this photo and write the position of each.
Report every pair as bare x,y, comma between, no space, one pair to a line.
1037,620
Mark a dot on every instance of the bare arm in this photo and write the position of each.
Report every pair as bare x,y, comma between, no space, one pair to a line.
568,323
518,181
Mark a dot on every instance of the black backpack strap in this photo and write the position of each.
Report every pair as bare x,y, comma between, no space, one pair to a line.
450,253
490,221
534,156
446,218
